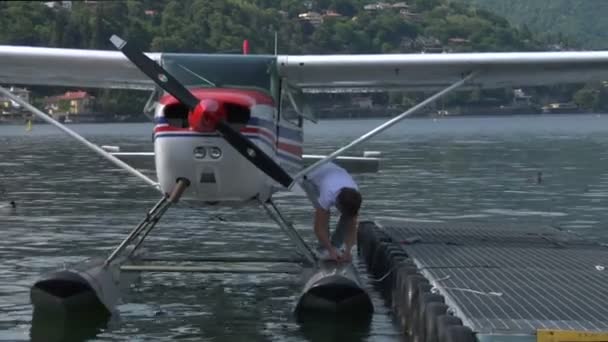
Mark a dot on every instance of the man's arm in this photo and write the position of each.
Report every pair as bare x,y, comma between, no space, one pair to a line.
322,227
351,236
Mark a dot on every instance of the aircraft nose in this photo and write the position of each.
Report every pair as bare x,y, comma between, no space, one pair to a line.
206,115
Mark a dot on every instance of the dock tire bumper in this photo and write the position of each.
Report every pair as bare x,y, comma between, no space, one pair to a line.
459,333
431,313
443,323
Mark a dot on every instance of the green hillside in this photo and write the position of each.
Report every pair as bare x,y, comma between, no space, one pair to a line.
581,23
302,26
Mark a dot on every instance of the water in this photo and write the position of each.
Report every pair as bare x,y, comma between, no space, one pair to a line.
74,205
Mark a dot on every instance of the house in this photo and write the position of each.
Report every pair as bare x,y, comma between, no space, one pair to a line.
8,106
313,18
59,5
364,102
378,6
458,41
429,45
72,102
151,13
331,14
406,14
400,6
381,6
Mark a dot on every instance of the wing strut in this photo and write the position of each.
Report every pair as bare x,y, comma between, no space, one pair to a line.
77,136
382,127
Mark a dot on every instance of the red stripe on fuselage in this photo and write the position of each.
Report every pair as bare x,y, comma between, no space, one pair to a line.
255,130
168,128
292,149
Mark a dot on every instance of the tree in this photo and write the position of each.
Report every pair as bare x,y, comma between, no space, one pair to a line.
587,98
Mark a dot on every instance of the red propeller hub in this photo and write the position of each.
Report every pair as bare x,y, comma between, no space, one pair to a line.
206,115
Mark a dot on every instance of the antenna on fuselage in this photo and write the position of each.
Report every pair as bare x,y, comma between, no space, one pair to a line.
276,43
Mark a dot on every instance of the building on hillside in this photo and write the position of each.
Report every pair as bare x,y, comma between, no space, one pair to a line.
72,102
8,106
400,6
458,41
378,6
429,45
59,5
408,15
331,14
314,18
382,6
363,102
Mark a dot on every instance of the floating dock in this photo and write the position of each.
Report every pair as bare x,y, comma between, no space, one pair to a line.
475,282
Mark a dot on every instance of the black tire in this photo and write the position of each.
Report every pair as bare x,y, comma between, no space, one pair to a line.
400,294
398,290
368,248
395,259
443,323
459,333
375,248
379,261
364,235
410,287
431,312
413,305
424,299
369,240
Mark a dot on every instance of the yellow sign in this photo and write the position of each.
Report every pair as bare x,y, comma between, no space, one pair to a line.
570,336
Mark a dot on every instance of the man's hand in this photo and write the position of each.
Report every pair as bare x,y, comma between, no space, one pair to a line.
333,254
346,256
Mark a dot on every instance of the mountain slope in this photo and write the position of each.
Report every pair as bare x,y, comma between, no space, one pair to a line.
581,22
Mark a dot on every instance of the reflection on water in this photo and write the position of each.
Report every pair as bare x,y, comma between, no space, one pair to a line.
72,205
52,326
331,327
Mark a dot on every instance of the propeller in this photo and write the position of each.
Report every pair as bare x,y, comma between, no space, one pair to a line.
206,112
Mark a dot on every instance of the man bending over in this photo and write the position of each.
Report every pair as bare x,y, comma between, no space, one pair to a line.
335,187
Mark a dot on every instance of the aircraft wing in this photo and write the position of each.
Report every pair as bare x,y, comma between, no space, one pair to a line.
110,69
343,73
71,67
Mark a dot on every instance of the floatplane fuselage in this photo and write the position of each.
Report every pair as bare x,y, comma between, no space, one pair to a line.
185,148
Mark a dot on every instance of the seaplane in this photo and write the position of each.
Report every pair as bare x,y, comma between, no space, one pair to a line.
222,138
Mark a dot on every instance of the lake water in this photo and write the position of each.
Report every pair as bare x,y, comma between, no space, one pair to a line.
73,205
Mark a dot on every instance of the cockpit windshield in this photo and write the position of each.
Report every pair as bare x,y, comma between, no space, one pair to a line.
253,72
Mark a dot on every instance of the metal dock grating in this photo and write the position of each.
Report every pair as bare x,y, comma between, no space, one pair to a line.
511,280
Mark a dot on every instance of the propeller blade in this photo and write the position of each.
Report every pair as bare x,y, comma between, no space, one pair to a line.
161,77
166,81
255,155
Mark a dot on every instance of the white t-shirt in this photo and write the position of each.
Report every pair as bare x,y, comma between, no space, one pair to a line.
329,180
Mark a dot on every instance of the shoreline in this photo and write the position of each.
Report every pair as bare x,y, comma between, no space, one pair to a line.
332,118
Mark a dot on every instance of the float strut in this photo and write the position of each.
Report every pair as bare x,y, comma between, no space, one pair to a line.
151,219
382,127
301,245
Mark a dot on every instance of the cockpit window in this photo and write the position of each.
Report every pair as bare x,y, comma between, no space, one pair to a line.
253,72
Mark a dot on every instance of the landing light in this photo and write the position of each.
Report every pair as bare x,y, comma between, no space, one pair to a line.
215,152
200,152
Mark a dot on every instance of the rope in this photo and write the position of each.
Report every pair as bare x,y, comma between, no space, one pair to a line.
490,293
